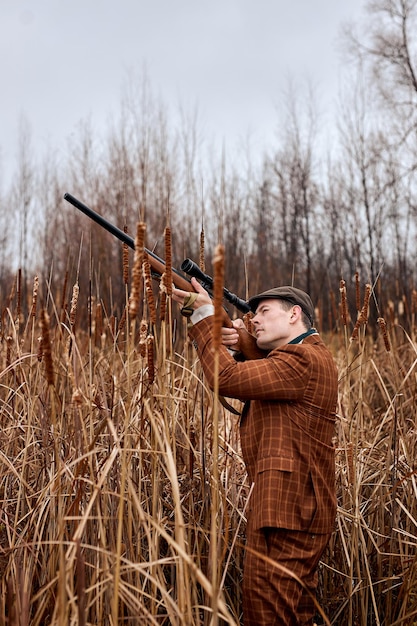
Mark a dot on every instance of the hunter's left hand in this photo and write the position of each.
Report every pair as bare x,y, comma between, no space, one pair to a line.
191,300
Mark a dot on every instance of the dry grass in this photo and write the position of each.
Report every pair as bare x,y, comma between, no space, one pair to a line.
115,489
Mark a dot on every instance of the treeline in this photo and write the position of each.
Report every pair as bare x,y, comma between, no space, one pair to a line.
304,214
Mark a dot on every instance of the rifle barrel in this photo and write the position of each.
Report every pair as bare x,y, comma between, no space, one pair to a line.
157,263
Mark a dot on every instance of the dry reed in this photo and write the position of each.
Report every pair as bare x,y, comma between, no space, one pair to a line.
117,473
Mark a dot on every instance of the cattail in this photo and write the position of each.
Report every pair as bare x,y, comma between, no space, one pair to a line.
125,261
383,327
122,322
9,341
46,344
34,296
150,358
364,313
135,293
143,333
355,331
343,302
163,298
414,302
74,303
358,292
218,285
39,355
98,326
148,289
167,277
202,259
365,308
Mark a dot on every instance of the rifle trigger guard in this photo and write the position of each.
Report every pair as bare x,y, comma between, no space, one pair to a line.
187,308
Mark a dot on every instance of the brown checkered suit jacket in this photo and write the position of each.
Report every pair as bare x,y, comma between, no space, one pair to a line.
286,428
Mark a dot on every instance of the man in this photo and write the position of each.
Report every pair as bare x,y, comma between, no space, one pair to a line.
286,429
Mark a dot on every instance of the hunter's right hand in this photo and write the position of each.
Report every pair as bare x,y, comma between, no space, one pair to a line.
230,335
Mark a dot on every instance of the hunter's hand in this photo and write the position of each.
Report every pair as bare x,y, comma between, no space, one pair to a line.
230,336
191,300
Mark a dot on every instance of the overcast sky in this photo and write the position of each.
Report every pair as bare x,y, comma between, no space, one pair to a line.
63,61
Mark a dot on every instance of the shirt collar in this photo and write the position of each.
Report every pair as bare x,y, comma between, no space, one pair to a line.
299,339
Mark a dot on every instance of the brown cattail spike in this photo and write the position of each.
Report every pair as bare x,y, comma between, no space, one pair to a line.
358,292
74,303
383,327
143,333
125,261
218,286
34,296
343,303
150,358
168,262
148,289
46,345
202,259
136,289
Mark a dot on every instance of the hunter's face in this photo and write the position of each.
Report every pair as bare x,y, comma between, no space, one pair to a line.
273,324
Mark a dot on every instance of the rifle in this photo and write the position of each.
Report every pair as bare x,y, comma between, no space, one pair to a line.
247,345
156,263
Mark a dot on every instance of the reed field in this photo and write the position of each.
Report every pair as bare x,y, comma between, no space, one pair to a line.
122,486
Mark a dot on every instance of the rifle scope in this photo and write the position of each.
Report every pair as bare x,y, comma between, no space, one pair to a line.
189,267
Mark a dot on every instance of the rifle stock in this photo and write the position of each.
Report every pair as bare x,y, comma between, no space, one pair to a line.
247,344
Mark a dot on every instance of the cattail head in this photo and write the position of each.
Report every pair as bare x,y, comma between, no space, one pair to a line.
143,333
383,327
414,302
218,286
357,292
136,288
34,296
202,259
163,298
148,289
364,312
343,303
74,303
125,261
365,308
46,346
150,358
167,277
